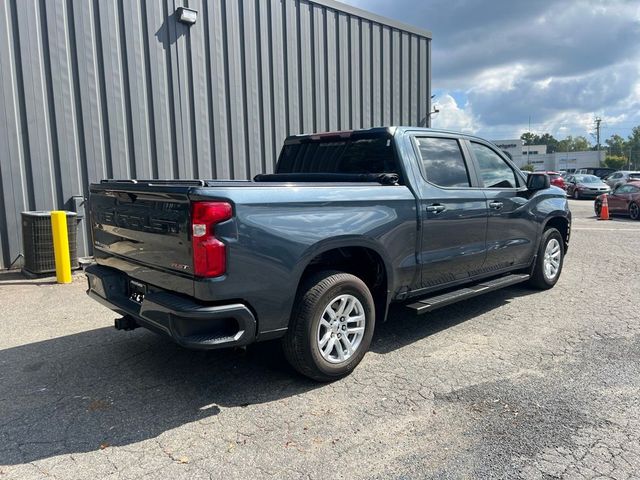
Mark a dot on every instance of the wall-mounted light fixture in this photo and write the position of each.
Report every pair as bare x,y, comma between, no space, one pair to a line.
186,15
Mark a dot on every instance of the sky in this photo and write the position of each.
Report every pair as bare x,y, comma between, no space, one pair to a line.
498,65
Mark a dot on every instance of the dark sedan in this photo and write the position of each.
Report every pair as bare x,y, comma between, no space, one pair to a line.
624,200
586,186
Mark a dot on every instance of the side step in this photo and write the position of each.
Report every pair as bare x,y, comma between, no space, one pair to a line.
431,303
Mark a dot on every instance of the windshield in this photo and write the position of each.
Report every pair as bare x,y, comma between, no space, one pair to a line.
587,179
634,175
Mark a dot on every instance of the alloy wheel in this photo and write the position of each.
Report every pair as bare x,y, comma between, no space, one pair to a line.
341,328
551,264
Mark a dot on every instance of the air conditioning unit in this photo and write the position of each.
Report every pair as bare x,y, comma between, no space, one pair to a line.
37,242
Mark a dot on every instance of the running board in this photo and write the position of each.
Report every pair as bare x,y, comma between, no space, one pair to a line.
431,303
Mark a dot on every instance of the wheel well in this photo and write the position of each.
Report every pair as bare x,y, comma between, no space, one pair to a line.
362,262
562,225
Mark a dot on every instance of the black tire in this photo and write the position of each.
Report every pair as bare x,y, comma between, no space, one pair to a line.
634,211
597,207
300,344
576,194
538,278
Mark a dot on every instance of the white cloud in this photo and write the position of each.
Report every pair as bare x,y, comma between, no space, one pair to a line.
452,116
560,62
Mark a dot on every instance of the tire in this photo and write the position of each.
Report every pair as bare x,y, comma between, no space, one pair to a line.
309,322
539,278
634,211
597,207
576,195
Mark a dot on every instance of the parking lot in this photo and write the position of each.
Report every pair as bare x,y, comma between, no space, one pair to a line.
516,384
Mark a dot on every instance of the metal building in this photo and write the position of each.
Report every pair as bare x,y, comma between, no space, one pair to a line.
93,89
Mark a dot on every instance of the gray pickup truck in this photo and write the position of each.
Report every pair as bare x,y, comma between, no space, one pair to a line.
314,253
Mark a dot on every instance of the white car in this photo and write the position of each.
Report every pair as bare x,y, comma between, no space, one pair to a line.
621,177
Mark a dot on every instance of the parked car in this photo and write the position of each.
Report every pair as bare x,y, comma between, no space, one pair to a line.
556,179
621,177
600,172
315,253
586,186
624,200
565,176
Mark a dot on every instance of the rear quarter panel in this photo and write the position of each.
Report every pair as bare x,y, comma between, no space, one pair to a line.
278,229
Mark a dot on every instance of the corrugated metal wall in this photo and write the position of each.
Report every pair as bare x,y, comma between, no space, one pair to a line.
94,89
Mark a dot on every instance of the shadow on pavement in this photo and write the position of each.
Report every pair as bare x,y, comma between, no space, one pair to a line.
403,327
73,393
16,277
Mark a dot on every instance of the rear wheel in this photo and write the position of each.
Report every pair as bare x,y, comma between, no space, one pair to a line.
549,261
576,194
331,327
634,211
597,207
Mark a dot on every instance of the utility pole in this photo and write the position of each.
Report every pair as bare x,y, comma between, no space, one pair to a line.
528,154
598,120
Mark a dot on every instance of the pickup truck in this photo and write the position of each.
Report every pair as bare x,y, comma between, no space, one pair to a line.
315,253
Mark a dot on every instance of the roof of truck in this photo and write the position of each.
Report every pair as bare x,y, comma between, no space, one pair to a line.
390,130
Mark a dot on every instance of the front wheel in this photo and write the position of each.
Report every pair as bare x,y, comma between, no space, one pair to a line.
331,326
634,211
549,261
597,207
576,195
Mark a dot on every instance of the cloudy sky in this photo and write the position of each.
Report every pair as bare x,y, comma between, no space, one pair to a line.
497,63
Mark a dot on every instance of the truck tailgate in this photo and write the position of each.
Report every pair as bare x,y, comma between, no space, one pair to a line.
145,224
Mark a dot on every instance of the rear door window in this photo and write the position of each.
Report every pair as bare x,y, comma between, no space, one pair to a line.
494,171
442,162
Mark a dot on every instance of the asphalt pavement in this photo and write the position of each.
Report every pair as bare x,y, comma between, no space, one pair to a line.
514,384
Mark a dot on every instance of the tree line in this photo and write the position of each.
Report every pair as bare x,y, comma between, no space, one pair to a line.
621,152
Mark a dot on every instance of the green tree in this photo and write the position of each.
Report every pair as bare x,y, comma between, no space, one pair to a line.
580,144
616,145
566,145
551,143
573,144
615,161
527,168
633,146
530,138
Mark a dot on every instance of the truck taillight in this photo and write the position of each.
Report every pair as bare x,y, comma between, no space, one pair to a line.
209,253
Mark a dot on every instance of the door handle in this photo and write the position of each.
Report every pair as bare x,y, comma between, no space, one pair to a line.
436,208
496,205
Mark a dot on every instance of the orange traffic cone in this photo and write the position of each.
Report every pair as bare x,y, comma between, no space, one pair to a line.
604,209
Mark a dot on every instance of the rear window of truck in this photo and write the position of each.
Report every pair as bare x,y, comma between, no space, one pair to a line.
337,155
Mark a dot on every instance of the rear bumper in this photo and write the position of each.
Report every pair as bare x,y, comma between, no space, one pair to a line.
189,323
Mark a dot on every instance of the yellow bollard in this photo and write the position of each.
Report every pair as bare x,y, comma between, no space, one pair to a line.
61,246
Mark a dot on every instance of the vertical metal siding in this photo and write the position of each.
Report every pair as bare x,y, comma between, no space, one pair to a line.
93,89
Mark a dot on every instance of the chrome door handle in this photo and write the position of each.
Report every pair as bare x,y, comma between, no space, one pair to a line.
436,208
496,205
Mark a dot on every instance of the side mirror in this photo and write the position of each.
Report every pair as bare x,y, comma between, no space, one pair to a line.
538,181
